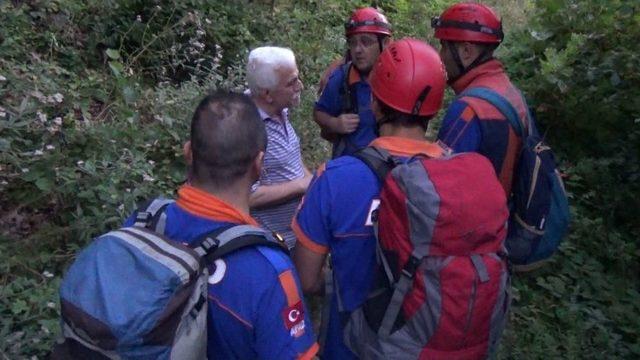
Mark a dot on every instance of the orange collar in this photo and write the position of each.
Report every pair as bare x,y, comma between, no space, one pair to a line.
399,146
490,67
203,204
354,75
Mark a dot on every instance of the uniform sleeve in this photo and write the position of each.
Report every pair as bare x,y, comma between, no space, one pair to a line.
329,101
283,329
312,222
460,128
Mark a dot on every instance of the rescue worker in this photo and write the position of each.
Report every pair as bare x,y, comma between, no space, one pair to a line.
343,110
252,314
334,219
469,33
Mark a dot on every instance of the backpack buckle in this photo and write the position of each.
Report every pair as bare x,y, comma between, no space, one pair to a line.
278,237
143,218
410,268
210,243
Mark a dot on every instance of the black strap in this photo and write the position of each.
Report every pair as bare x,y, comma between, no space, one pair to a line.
241,243
355,24
421,97
436,22
154,219
456,58
150,219
209,243
349,105
346,95
378,160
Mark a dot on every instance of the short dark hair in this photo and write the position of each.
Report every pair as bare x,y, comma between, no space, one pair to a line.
403,119
227,134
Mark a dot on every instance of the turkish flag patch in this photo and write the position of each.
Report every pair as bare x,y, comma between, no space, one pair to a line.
293,315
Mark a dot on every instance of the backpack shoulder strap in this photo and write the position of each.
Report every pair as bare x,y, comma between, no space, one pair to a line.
231,238
378,160
502,104
151,215
346,98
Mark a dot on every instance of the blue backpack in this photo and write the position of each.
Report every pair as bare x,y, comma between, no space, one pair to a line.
539,207
135,294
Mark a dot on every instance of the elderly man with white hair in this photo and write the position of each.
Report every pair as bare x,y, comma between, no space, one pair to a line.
275,86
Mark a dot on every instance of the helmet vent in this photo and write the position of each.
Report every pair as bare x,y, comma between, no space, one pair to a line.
394,54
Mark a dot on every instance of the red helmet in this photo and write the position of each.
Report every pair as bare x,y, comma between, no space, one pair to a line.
367,20
471,22
409,77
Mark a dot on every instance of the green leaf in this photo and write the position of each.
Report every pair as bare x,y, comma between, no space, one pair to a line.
113,54
117,68
129,94
44,184
20,306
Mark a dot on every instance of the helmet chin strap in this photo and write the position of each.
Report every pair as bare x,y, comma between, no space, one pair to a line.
456,58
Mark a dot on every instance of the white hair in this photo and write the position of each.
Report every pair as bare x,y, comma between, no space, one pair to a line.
262,66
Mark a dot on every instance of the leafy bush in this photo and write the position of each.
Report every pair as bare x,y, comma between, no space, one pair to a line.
96,98
576,61
83,139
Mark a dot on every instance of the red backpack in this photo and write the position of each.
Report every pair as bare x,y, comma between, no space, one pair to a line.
441,290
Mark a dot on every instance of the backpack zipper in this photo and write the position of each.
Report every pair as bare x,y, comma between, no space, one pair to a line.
532,189
472,302
539,148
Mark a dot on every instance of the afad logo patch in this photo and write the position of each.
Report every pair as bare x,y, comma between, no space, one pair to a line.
294,319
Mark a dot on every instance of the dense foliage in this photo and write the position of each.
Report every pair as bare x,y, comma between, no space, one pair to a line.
95,101
577,62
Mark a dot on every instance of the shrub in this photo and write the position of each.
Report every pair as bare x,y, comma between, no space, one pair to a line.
576,62
96,98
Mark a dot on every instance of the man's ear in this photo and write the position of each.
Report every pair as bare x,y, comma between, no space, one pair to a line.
265,94
186,151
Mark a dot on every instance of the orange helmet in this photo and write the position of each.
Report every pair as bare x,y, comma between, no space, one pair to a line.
409,77
367,20
471,22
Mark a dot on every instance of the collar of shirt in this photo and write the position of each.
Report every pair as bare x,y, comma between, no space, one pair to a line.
400,146
490,67
265,116
355,76
203,204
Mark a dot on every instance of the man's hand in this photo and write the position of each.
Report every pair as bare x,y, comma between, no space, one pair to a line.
333,127
346,123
